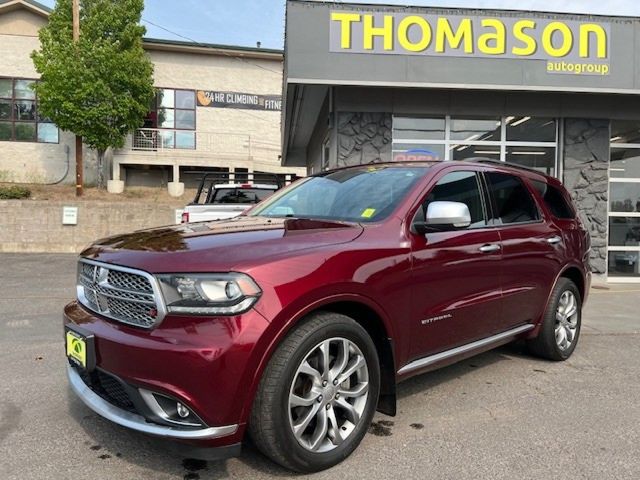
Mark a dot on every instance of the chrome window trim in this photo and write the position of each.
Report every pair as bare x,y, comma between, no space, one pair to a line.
160,304
137,422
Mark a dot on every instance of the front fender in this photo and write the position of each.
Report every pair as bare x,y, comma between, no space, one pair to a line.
288,318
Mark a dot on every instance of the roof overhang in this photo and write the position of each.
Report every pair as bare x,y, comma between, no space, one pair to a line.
302,105
212,49
35,7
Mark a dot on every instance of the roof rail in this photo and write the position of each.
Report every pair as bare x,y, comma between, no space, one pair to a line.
501,163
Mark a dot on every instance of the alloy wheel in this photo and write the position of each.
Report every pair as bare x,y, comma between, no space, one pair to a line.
566,320
328,394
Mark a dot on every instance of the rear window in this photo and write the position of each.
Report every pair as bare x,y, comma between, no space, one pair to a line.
240,195
554,200
513,202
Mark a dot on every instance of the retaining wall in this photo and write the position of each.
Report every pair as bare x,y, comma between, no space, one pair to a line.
36,226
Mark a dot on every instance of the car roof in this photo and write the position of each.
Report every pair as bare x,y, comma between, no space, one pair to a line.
484,163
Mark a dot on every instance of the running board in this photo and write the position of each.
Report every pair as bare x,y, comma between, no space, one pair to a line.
469,347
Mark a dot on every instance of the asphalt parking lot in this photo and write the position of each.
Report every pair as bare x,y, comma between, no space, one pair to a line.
502,414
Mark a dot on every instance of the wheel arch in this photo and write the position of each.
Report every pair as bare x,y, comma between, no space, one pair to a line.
574,274
367,314
571,272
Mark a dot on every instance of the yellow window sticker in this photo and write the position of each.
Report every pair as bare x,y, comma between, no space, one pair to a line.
368,213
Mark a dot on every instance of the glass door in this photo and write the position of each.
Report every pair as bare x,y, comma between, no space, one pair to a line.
624,202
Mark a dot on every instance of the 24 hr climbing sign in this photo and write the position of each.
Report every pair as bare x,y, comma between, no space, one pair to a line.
247,101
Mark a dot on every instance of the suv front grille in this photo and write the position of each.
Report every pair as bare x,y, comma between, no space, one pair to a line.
122,294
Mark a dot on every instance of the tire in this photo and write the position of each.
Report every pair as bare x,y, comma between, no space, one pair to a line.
276,412
559,334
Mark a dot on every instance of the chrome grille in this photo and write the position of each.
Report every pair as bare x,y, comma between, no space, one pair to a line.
119,293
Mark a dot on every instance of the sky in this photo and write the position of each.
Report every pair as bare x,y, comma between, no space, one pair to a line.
246,22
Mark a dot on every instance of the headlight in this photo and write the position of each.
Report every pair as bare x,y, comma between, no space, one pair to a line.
209,294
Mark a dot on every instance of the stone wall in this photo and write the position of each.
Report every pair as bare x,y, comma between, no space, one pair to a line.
586,176
36,226
363,138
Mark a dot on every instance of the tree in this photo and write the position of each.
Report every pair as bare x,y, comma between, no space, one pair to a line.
100,87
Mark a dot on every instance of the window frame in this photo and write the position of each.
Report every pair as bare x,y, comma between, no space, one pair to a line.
481,191
501,145
36,121
157,107
496,221
613,249
567,204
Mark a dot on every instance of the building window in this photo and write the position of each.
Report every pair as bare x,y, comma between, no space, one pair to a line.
20,120
624,200
526,141
170,123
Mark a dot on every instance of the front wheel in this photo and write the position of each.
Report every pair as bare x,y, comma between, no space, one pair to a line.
318,394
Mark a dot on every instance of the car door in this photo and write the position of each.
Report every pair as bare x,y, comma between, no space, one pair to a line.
532,249
455,274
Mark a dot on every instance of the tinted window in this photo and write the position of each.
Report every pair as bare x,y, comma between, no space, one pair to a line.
460,187
240,195
554,200
365,194
513,202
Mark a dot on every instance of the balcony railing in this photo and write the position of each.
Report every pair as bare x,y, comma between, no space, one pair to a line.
217,143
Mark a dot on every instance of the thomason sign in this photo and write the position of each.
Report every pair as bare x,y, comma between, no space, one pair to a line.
567,46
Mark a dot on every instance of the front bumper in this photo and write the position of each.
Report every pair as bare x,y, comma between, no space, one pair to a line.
204,363
138,422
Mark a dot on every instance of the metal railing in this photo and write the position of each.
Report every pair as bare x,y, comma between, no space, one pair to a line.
219,143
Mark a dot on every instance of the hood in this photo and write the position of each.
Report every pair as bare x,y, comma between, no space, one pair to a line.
220,245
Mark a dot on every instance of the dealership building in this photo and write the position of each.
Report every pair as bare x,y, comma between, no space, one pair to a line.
555,92
217,109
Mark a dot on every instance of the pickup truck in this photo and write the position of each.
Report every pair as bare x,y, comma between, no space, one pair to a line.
221,201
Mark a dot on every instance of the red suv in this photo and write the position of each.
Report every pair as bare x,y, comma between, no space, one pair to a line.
295,321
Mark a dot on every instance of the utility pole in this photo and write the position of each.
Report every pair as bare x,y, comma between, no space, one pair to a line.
79,168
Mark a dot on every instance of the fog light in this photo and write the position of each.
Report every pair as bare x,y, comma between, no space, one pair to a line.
170,409
183,411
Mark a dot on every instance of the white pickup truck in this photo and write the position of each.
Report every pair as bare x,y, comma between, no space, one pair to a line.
220,201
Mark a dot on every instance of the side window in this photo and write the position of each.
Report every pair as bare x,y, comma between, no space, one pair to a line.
460,187
554,200
513,202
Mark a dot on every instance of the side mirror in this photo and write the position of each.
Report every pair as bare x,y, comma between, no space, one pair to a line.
443,217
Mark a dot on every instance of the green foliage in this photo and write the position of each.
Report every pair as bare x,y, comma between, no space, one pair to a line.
100,87
14,192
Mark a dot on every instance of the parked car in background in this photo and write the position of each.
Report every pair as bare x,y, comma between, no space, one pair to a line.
294,322
221,201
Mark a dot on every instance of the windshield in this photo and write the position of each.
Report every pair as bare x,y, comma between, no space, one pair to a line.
366,194
240,195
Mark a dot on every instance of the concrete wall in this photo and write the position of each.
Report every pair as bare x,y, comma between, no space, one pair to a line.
586,176
21,22
36,226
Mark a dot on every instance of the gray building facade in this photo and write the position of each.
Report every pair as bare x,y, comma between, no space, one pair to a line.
557,93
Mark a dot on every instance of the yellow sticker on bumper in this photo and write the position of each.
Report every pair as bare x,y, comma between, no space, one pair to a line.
77,348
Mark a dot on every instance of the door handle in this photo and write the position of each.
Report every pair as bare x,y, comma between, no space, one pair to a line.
554,240
493,247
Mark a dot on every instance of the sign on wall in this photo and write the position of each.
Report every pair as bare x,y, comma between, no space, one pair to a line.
567,46
248,101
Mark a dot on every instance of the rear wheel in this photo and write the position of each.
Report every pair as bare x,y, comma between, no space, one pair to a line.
560,330
318,394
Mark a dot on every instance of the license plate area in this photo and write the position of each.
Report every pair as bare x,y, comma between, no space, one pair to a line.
80,347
